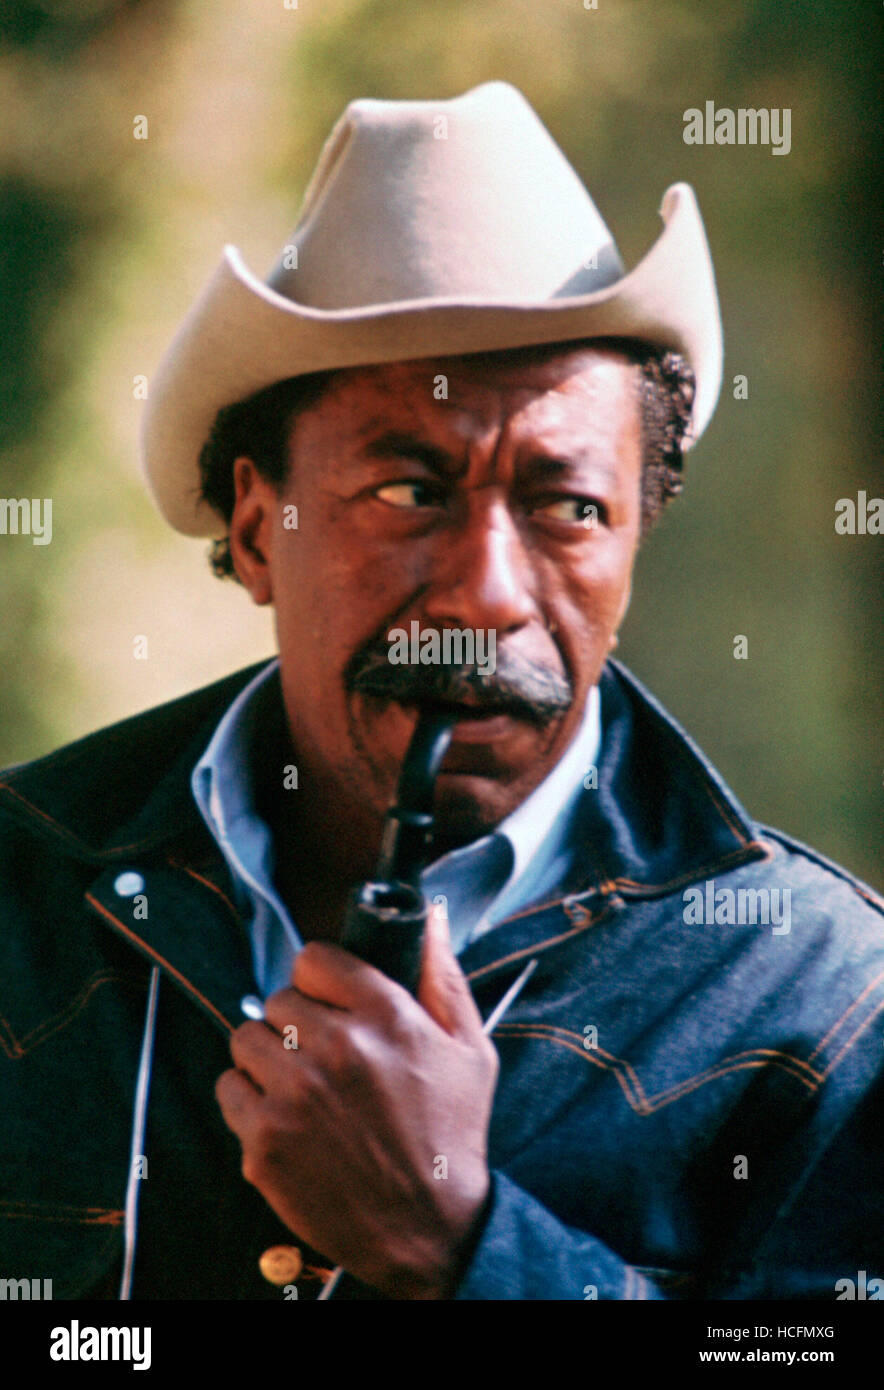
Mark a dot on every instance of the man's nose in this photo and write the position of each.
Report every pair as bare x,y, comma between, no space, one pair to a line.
483,577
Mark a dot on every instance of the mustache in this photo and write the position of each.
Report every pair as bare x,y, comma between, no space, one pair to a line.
518,687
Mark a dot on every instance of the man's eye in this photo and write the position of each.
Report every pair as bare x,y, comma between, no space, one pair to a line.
573,509
407,494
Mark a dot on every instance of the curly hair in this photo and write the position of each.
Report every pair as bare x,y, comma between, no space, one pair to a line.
259,427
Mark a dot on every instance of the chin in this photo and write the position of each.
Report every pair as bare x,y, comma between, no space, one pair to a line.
466,808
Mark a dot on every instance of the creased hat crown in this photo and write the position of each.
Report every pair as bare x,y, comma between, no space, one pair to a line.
429,229
465,199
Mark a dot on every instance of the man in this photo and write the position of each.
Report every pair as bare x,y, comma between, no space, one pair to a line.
448,410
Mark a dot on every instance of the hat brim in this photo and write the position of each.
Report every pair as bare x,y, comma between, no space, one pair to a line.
241,336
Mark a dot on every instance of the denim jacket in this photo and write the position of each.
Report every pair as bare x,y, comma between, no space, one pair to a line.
690,1094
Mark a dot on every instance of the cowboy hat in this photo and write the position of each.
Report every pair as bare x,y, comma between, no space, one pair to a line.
428,229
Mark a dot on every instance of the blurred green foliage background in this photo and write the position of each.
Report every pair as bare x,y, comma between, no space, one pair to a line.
106,240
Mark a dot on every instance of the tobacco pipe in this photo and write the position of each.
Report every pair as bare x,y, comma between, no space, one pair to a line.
386,916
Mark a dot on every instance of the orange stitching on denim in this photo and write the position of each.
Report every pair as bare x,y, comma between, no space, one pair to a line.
847,1012
577,914
610,886
714,865
21,1046
537,946
849,1044
649,1104
523,1030
543,907
12,1048
624,1070
155,955
35,810
68,834
48,1211
726,814
58,1220
644,1104
816,1076
178,864
869,896
764,1057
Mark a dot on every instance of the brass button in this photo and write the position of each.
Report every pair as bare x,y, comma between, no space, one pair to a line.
281,1264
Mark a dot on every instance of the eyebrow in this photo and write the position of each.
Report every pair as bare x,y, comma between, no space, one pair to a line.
542,467
395,444
548,468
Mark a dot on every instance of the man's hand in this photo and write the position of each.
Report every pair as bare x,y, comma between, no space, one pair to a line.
369,1140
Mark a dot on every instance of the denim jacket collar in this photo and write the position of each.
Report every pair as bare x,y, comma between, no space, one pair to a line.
660,815
659,818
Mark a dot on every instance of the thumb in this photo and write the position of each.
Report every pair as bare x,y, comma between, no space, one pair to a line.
443,990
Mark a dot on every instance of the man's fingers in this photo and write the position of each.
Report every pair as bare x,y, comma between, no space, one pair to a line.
326,976
443,990
292,1008
236,1095
334,976
256,1050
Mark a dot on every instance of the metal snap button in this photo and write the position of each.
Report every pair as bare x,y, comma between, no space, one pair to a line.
281,1264
128,884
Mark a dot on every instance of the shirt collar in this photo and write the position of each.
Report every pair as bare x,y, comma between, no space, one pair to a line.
222,788
223,802
530,825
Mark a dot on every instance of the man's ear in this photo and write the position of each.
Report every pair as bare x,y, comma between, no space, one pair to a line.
251,529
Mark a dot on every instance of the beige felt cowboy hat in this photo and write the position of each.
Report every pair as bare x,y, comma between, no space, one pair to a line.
428,229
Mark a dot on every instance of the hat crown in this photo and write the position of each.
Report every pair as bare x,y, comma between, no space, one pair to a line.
464,199
430,229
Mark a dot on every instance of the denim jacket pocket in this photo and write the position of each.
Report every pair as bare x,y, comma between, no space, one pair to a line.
59,1251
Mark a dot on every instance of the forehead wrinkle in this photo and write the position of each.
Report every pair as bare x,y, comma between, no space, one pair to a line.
453,427
575,419
487,414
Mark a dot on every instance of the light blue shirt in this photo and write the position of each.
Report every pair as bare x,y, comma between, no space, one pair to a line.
521,863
